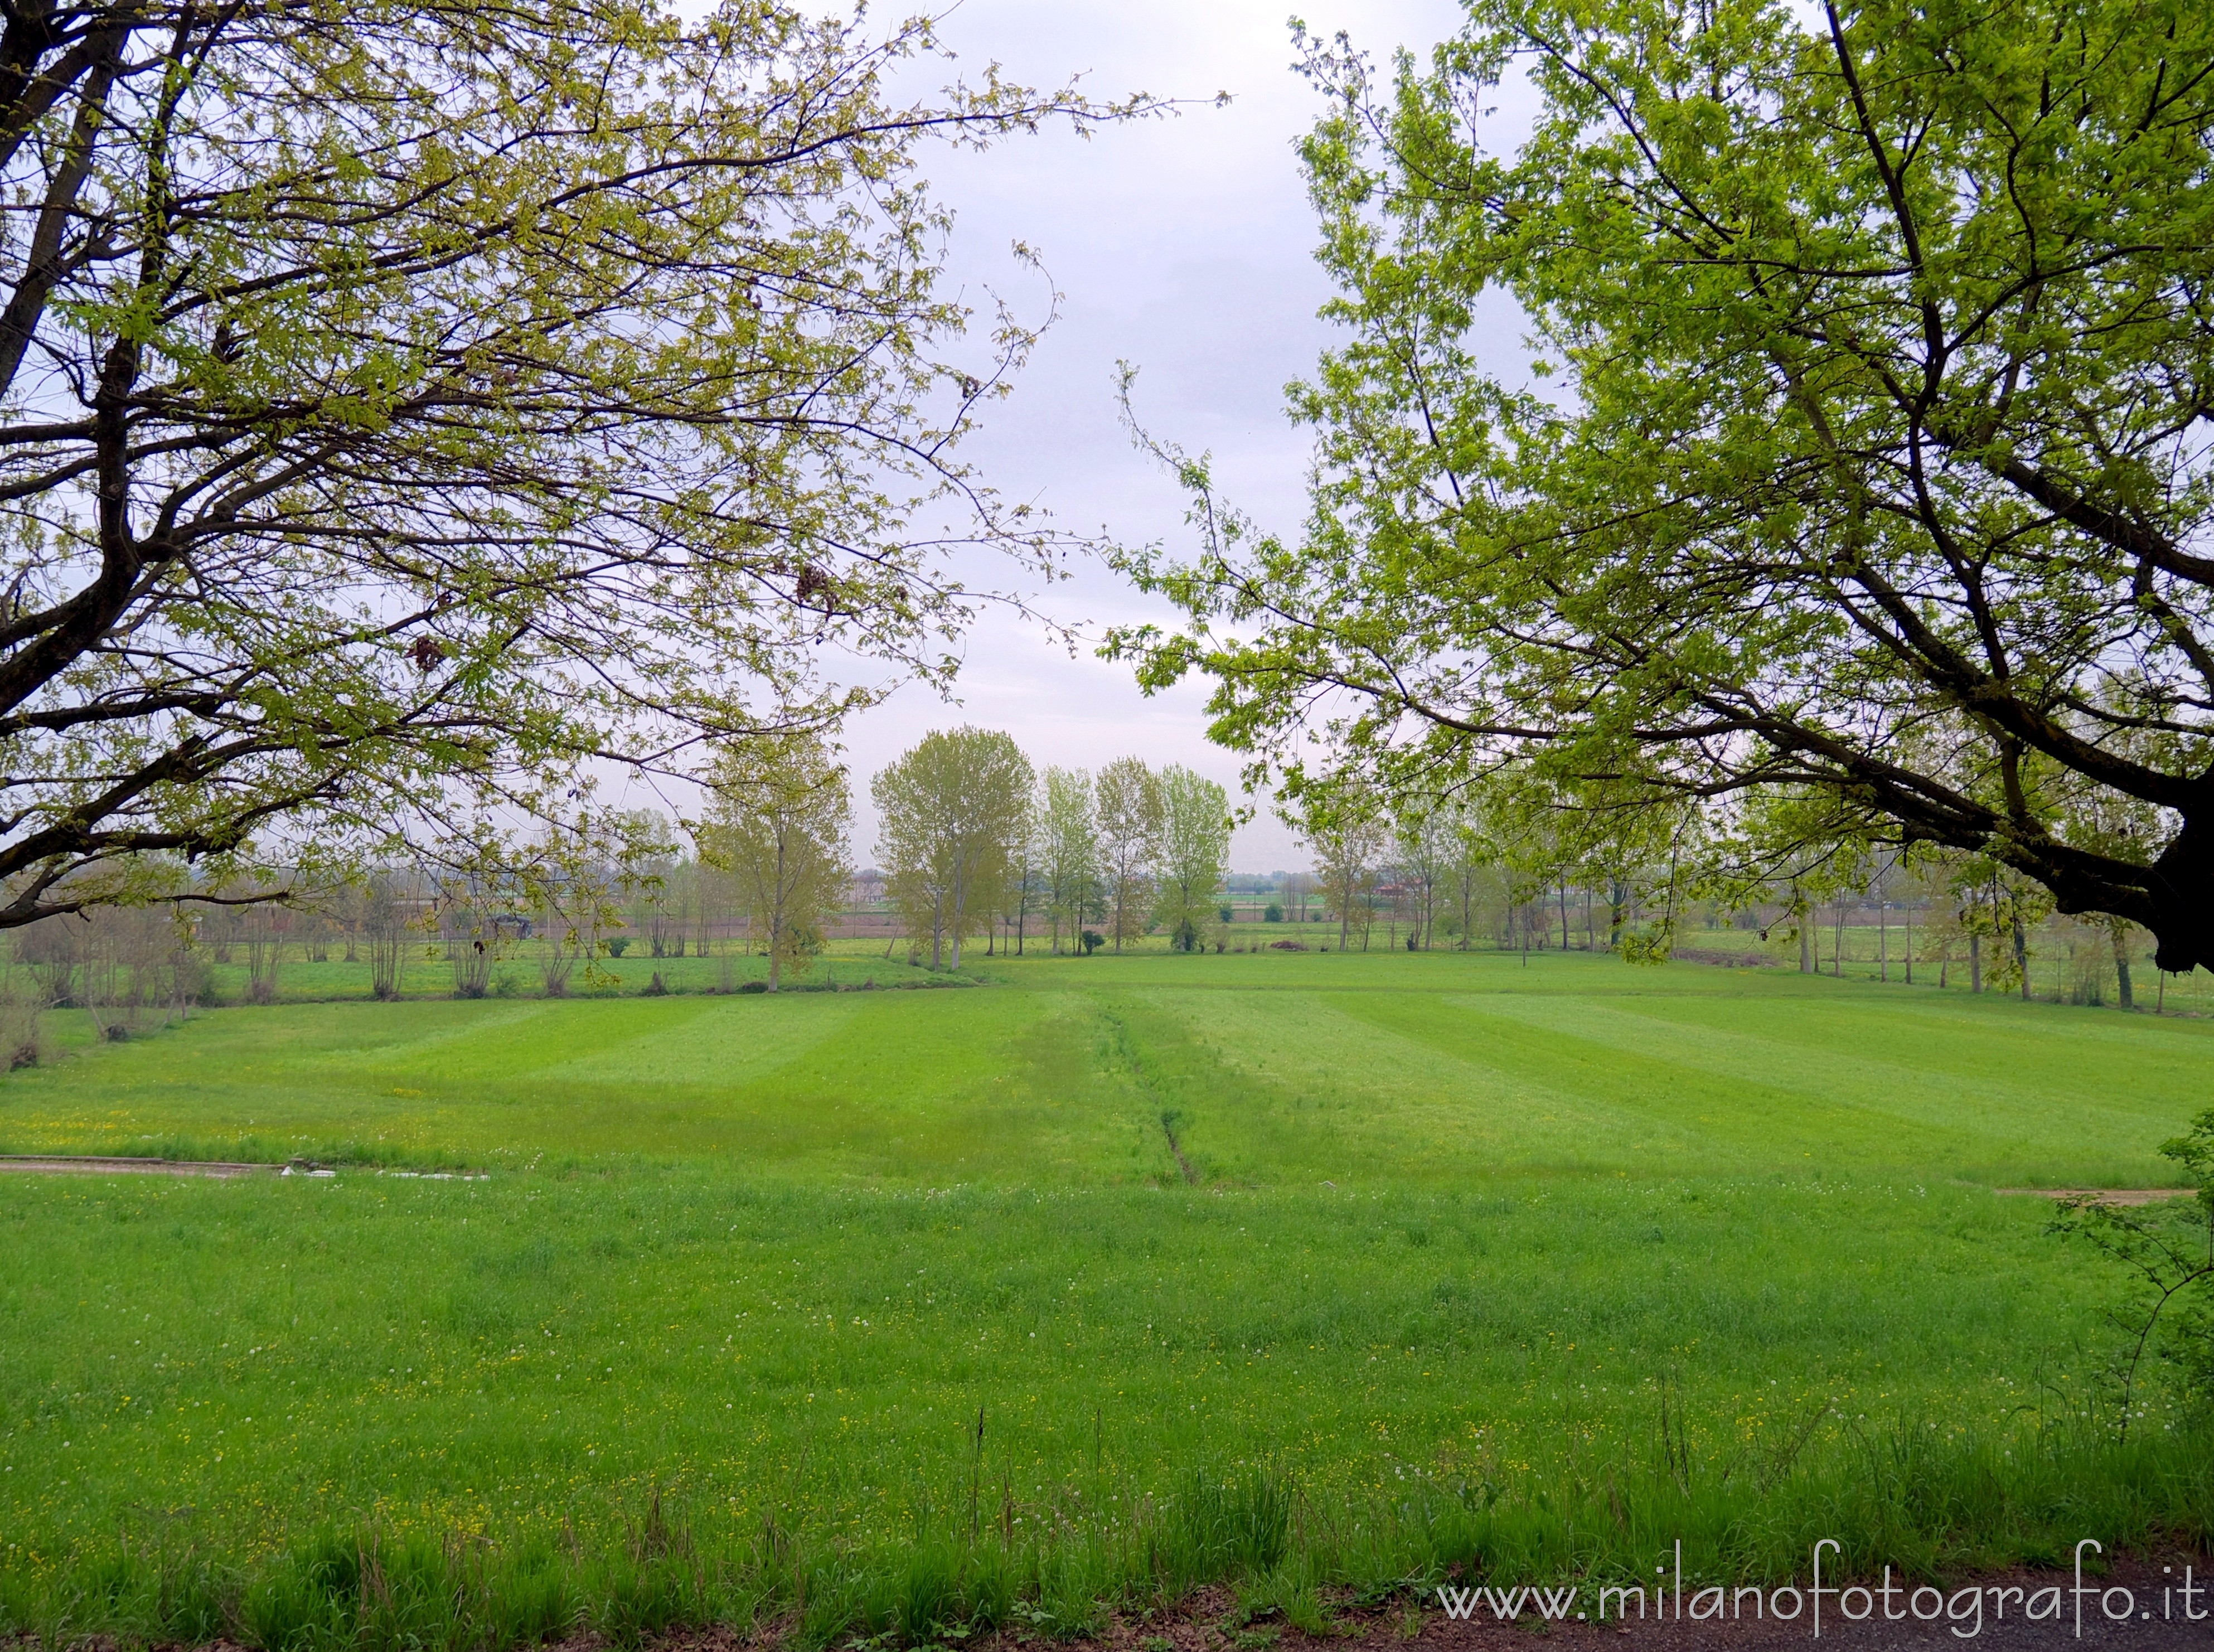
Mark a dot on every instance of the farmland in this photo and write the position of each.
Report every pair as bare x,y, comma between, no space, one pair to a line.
1438,1256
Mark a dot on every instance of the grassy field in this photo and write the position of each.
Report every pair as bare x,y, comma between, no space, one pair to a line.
1309,1270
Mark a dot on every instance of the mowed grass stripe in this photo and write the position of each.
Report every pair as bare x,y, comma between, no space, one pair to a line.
918,1087
1290,1089
1460,1227
2025,1100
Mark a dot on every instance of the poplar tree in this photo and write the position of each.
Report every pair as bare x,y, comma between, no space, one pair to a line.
1068,849
952,814
1194,852
1129,814
776,823
1347,841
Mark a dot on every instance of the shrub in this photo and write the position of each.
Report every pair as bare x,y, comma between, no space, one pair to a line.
22,1038
618,946
2165,1309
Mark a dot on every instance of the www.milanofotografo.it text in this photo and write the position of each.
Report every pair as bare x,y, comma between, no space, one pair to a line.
1963,1611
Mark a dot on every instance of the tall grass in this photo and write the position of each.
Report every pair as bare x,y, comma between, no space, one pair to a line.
1932,1510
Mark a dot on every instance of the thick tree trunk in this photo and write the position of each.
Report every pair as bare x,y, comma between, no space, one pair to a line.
2120,934
2180,902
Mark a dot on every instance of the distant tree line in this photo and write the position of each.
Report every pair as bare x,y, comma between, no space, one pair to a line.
1510,865
976,840
971,836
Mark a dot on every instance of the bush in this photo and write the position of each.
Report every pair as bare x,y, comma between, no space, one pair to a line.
22,1038
747,987
618,946
2165,1279
1273,912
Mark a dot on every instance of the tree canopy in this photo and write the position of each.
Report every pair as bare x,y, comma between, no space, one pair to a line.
952,814
777,816
1858,489
403,400
1193,852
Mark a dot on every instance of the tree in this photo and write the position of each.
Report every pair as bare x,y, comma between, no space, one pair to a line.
1019,892
571,880
1346,837
776,823
1067,834
1194,848
385,915
1129,816
403,403
1868,459
1425,841
952,812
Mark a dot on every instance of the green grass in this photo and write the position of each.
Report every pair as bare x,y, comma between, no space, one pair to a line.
713,1338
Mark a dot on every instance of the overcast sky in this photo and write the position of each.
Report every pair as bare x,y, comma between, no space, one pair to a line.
1182,245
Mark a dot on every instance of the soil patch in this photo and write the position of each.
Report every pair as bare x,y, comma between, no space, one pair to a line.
95,1165
70,1163
2103,1195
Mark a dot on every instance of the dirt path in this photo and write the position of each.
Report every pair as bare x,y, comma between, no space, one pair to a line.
2103,1195
76,1164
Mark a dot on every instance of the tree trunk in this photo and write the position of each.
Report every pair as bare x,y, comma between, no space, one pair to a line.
2120,934
1975,961
776,922
2021,956
1806,941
